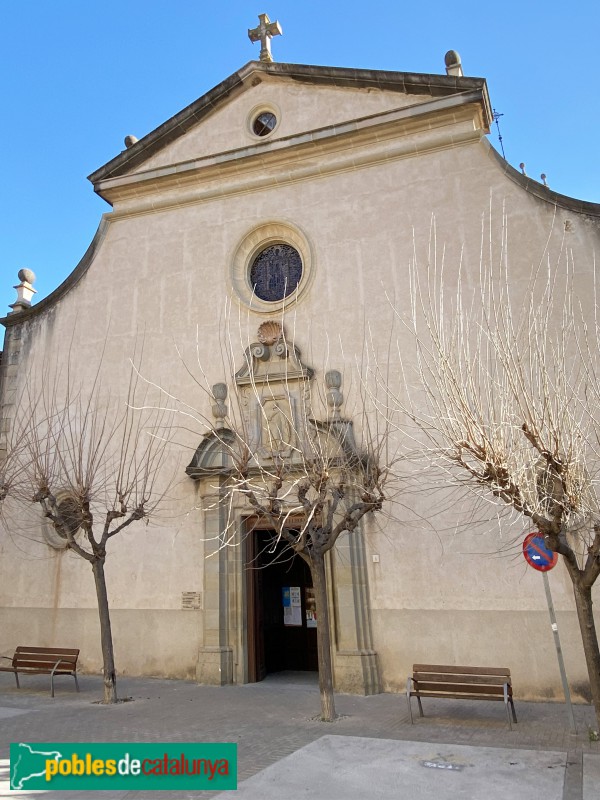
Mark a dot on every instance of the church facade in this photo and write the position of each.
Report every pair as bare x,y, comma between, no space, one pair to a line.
296,196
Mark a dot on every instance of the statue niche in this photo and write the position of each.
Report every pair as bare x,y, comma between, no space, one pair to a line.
273,386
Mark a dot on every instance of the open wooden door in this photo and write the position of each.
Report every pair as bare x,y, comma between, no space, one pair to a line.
257,667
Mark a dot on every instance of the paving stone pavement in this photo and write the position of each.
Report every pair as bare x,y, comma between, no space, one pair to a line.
273,719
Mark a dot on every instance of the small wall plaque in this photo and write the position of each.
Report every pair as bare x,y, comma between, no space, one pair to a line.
191,600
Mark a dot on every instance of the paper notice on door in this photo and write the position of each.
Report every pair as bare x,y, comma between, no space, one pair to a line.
292,608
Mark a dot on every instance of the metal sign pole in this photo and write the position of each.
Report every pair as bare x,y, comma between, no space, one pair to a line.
561,663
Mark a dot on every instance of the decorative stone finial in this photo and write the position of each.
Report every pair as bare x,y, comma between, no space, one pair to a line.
25,291
130,141
543,177
335,398
522,167
453,64
263,34
219,410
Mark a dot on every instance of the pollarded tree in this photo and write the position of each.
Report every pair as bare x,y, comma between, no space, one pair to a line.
92,465
505,392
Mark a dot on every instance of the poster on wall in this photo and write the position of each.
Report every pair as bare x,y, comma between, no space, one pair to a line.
311,608
292,606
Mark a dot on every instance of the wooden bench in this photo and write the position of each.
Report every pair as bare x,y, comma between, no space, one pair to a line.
470,683
43,661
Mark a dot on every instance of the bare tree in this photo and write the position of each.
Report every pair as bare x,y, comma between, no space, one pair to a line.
92,464
296,468
503,386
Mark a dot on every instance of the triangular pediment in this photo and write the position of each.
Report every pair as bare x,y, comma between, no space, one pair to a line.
304,99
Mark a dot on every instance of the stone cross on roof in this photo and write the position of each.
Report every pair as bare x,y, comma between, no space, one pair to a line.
263,34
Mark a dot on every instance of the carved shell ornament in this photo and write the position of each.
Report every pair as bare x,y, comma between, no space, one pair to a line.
270,332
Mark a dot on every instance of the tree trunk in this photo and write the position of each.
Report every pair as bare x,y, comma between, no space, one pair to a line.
108,659
589,637
317,569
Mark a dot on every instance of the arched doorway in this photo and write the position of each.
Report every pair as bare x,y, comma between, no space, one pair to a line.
244,634
281,620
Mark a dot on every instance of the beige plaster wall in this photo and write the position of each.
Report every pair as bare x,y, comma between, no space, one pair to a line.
157,642
164,275
297,106
147,567
519,640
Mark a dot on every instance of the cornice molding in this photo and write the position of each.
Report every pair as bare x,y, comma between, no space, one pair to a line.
442,123
538,189
189,117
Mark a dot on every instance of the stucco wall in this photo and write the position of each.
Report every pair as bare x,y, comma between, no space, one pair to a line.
164,276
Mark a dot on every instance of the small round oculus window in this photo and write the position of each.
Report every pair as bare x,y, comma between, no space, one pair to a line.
70,517
276,272
264,123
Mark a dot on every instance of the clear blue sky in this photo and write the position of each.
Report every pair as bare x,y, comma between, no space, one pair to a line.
79,75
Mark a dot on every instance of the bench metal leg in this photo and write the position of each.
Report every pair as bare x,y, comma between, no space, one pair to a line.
52,683
412,721
508,700
17,679
508,715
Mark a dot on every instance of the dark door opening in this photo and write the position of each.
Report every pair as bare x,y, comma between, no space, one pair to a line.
281,614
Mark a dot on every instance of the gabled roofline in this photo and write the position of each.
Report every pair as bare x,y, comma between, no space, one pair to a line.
321,140
178,125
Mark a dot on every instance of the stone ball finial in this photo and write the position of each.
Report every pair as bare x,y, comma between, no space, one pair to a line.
219,391
335,398
25,291
130,141
453,64
451,58
26,275
219,410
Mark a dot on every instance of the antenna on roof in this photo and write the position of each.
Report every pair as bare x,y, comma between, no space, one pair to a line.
497,116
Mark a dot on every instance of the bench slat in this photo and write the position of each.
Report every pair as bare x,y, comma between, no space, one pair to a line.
460,670
450,696
448,677
22,663
44,657
38,671
59,651
423,688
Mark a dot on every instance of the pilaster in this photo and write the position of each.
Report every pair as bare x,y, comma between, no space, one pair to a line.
356,668
216,654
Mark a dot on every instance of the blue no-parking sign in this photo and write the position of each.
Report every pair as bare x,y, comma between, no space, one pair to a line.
537,554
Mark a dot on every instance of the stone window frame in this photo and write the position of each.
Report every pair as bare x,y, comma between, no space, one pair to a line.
257,110
51,536
256,240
